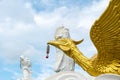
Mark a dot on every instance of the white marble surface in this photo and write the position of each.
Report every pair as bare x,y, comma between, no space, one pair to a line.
68,75
71,75
108,77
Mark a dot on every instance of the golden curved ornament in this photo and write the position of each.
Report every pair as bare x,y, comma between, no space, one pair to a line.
105,34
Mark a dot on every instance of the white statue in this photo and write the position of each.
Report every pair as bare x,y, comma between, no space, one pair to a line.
63,62
25,65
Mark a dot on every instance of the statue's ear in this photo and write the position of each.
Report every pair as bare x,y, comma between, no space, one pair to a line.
78,42
64,48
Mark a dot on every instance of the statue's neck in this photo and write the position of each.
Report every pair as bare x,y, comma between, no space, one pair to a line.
79,58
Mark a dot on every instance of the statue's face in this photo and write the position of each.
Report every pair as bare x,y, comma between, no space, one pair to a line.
21,57
62,33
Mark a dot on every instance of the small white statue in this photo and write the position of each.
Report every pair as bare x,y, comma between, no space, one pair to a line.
63,62
25,65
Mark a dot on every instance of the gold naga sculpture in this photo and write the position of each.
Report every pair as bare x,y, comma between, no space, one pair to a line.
105,34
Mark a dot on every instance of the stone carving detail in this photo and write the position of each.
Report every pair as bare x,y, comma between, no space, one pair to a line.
70,75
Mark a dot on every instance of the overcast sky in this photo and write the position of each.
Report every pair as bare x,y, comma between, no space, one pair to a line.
27,25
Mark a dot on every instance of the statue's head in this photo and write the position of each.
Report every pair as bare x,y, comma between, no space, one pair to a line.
65,44
62,32
21,57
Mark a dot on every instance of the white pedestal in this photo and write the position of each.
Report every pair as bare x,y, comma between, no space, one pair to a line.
108,77
71,75
68,75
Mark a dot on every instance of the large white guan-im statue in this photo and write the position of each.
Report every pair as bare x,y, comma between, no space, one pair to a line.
63,62
25,65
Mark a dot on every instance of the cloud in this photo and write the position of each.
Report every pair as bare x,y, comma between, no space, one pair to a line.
22,30
42,20
15,75
16,27
45,72
28,5
71,17
91,13
14,10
